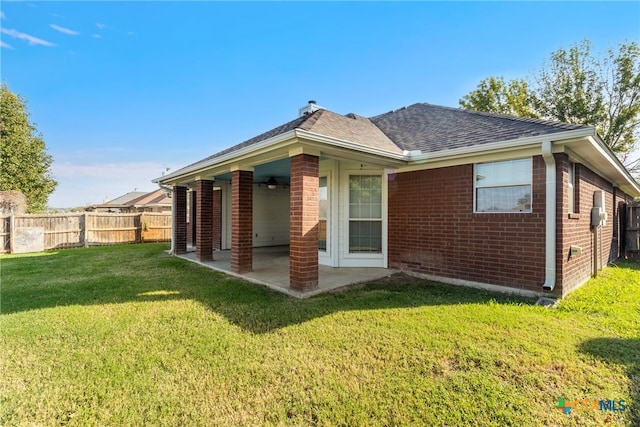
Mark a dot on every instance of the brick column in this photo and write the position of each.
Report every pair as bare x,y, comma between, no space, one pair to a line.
204,220
179,216
242,221
303,223
217,219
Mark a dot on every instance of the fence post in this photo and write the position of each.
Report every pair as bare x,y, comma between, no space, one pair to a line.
12,226
140,237
85,230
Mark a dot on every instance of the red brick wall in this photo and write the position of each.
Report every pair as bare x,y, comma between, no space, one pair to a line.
180,220
576,229
204,220
242,221
303,223
432,229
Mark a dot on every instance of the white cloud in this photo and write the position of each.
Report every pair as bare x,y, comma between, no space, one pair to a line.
105,27
97,36
1,15
64,30
5,45
23,36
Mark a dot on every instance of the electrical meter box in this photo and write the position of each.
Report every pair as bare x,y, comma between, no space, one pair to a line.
598,212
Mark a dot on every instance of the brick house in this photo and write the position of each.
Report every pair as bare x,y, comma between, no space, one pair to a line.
136,201
458,196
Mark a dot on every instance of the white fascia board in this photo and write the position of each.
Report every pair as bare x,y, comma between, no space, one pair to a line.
229,156
470,158
511,144
613,161
292,136
597,156
341,143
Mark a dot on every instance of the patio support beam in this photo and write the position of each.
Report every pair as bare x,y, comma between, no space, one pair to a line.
303,223
204,220
179,217
242,221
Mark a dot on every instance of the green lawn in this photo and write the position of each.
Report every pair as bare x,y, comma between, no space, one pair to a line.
128,335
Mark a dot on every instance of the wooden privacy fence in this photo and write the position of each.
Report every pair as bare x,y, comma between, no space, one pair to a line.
87,229
632,228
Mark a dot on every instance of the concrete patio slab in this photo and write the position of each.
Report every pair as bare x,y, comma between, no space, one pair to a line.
271,269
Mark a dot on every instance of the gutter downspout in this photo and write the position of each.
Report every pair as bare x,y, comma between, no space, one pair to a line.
550,231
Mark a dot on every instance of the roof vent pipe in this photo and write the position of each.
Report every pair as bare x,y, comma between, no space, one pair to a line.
550,218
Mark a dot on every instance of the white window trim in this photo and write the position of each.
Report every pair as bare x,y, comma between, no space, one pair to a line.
326,256
513,184
572,188
379,259
330,169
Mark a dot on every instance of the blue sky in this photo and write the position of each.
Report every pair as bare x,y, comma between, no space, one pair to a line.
123,90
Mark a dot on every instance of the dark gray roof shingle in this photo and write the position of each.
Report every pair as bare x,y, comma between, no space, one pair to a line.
293,124
432,128
424,127
353,128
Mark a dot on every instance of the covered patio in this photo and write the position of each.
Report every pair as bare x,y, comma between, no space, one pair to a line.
271,269
316,185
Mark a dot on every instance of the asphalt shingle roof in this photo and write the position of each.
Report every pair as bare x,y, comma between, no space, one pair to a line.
424,127
157,197
432,128
293,124
352,128
126,198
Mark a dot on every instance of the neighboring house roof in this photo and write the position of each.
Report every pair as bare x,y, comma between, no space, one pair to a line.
432,128
155,198
136,199
126,198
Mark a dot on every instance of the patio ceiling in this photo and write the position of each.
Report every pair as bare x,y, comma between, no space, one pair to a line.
279,169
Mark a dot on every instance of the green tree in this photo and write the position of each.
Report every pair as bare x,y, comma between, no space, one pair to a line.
621,125
570,88
575,86
495,95
24,162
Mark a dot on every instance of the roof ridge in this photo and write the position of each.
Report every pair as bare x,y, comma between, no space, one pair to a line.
311,119
504,116
302,120
520,118
485,113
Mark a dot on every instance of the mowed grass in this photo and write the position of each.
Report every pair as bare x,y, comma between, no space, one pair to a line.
128,335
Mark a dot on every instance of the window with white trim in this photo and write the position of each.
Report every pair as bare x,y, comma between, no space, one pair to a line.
365,214
503,186
323,213
571,188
